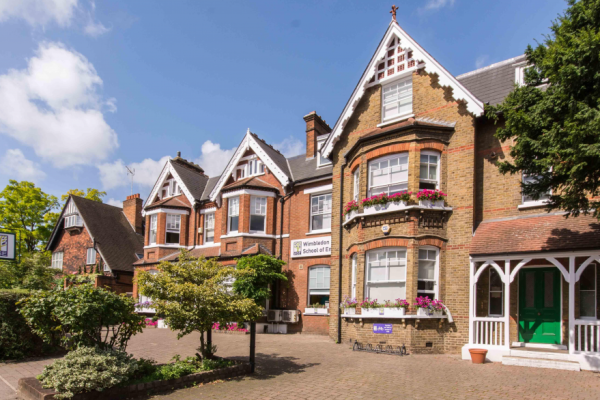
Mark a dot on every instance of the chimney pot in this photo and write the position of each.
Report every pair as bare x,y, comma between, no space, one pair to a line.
178,154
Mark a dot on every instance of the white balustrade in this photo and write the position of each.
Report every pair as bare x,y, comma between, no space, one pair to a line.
488,331
587,336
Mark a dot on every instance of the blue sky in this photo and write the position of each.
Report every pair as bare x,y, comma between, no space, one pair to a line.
87,88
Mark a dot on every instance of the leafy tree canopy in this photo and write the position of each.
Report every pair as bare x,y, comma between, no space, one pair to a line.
260,271
33,272
192,294
553,120
28,210
90,194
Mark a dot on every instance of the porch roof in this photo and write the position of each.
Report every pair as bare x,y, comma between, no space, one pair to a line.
536,233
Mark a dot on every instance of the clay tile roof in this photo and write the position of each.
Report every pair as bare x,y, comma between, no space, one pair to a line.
251,181
179,201
547,232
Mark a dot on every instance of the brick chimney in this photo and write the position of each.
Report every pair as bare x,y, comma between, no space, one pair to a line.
132,208
315,126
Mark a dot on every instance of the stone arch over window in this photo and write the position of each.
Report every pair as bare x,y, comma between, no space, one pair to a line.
435,242
388,150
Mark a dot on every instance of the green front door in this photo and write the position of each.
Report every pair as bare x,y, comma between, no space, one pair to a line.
539,305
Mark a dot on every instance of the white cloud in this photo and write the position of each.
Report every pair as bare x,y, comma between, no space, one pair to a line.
54,106
39,12
94,28
214,159
114,202
290,147
114,174
481,61
435,5
16,166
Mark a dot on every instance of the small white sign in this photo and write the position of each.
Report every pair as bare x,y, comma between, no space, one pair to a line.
7,246
320,246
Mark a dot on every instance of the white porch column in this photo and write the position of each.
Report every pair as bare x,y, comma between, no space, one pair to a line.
571,304
507,303
471,300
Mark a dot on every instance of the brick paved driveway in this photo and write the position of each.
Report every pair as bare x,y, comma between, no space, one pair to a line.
311,367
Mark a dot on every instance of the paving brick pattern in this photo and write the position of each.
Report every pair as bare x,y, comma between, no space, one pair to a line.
312,367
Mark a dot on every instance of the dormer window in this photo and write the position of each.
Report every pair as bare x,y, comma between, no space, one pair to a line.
255,167
72,217
170,188
321,161
397,100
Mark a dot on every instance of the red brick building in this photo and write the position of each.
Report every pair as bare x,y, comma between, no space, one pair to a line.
92,236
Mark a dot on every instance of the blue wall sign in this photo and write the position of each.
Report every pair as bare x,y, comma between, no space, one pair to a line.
382,328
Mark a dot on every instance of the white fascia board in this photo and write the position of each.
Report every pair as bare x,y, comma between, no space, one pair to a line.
208,210
168,168
167,211
158,184
279,174
252,192
319,189
186,191
474,105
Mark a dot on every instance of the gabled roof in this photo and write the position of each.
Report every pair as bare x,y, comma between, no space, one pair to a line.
273,154
116,240
425,60
250,182
179,201
210,185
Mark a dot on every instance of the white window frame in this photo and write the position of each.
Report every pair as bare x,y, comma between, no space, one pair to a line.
595,317
406,114
153,228
320,144
389,172
315,268
311,214
436,271
490,291
356,183
230,214
255,167
57,260
207,222
171,230
530,202
253,212
354,268
105,268
90,256
73,220
242,168
439,167
388,281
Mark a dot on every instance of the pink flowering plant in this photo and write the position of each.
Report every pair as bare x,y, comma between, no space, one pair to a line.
349,303
380,199
400,196
367,303
423,302
351,206
437,305
398,303
233,327
151,322
431,195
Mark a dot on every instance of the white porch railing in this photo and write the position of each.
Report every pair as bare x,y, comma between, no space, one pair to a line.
488,331
587,336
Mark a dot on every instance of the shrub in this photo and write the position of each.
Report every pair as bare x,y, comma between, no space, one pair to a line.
149,372
87,369
367,303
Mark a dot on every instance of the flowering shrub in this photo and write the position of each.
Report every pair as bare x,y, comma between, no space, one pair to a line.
375,200
401,196
150,322
432,195
144,304
423,302
437,305
229,327
349,303
398,303
370,304
350,206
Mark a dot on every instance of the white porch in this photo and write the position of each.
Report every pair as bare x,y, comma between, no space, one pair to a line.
501,334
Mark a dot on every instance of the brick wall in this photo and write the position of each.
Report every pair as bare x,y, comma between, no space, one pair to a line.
74,245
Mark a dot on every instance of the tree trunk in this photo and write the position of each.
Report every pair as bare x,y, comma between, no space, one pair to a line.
202,345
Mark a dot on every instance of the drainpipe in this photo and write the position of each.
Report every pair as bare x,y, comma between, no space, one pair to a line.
281,201
196,208
343,166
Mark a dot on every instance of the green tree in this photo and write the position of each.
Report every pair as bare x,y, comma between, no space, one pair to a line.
553,120
33,272
28,210
192,295
260,272
91,194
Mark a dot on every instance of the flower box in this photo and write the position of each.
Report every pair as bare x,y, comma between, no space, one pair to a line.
310,310
391,206
394,311
349,311
438,313
371,312
350,215
423,312
431,204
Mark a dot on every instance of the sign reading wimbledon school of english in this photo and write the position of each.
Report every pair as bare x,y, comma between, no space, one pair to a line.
7,246
320,246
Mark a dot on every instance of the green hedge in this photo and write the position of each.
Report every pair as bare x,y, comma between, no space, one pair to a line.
16,338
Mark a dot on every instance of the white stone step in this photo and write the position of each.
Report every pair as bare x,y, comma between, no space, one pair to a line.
546,355
539,346
541,363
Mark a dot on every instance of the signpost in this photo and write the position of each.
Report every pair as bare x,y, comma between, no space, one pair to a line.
319,246
7,246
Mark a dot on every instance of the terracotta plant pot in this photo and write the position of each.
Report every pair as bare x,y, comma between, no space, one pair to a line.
478,355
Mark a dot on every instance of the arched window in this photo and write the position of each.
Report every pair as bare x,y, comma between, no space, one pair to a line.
388,174
318,285
386,274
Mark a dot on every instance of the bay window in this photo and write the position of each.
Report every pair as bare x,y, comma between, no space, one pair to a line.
388,175
153,221
91,256
320,212
496,301
258,214
397,100
318,285
386,274
587,293
173,228
209,227
57,260
429,174
233,214
356,182
427,277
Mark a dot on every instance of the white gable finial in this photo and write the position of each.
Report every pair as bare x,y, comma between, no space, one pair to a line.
248,131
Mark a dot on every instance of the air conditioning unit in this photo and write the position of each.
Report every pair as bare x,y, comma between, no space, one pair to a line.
290,316
274,316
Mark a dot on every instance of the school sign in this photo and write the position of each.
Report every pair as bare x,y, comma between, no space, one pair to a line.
7,246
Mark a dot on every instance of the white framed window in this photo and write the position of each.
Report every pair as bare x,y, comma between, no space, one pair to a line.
91,256
427,282
152,231
397,100
385,275
354,267
429,173
209,227
496,292
57,260
318,285
258,214
106,268
240,172
173,189
255,167
233,214
527,179
73,220
320,212
388,175
356,183
173,228
587,293
321,161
